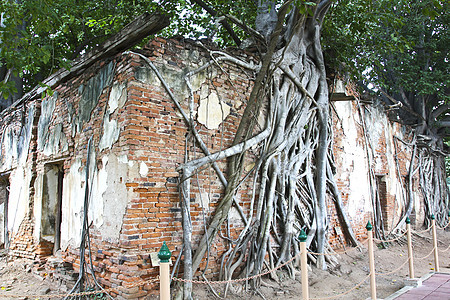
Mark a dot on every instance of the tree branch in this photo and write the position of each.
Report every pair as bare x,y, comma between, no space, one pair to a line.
440,110
443,123
224,23
5,80
297,82
236,149
250,30
321,9
244,130
406,108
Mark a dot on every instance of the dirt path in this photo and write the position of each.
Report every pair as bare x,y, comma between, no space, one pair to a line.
24,277
353,268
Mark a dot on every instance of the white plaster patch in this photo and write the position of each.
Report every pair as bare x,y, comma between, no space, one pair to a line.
56,142
72,205
235,217
47,107
376,123
203,199
117,97
37,207
18,197
99,186
122,159
353,158
51,139
212,111
115,198
74,186
26,136
110,135
14,144
143,169
10,148
111,130
107,202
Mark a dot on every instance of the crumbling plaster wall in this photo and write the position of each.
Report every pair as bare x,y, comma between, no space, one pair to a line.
18,202
15,138
351,158
139,139
70,117
16,127
108,200
368,143
156,138
50,141
88,106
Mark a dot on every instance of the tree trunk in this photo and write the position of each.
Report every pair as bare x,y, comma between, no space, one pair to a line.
293,177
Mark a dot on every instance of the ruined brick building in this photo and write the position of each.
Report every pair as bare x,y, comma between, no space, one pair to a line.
138,139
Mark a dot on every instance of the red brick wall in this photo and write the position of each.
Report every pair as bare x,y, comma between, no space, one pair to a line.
18,118
154,133
382,145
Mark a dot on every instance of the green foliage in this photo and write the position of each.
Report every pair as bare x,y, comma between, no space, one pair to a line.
193,21
389,41
40,36
394,44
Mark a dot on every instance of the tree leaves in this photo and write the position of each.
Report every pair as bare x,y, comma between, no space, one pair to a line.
40,36
392,42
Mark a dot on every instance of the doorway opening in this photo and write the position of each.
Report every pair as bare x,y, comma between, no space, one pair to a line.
384,201
51,204
4,200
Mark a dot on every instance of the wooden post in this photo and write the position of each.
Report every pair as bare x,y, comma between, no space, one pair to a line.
304,265
410,253
436,259
164,272
373,287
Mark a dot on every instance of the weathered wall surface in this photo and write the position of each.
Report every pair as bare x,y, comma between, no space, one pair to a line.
139,138
366,142
138,141
81,109
16,132
155,135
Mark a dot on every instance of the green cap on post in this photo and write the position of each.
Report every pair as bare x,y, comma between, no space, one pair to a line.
369,226
302,236
164,253
408,221
433,217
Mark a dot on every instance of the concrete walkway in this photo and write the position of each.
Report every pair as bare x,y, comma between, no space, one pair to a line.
434,286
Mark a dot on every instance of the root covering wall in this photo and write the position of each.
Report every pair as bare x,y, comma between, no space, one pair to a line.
139,138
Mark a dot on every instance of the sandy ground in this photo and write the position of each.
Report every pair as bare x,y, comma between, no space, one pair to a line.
23,277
